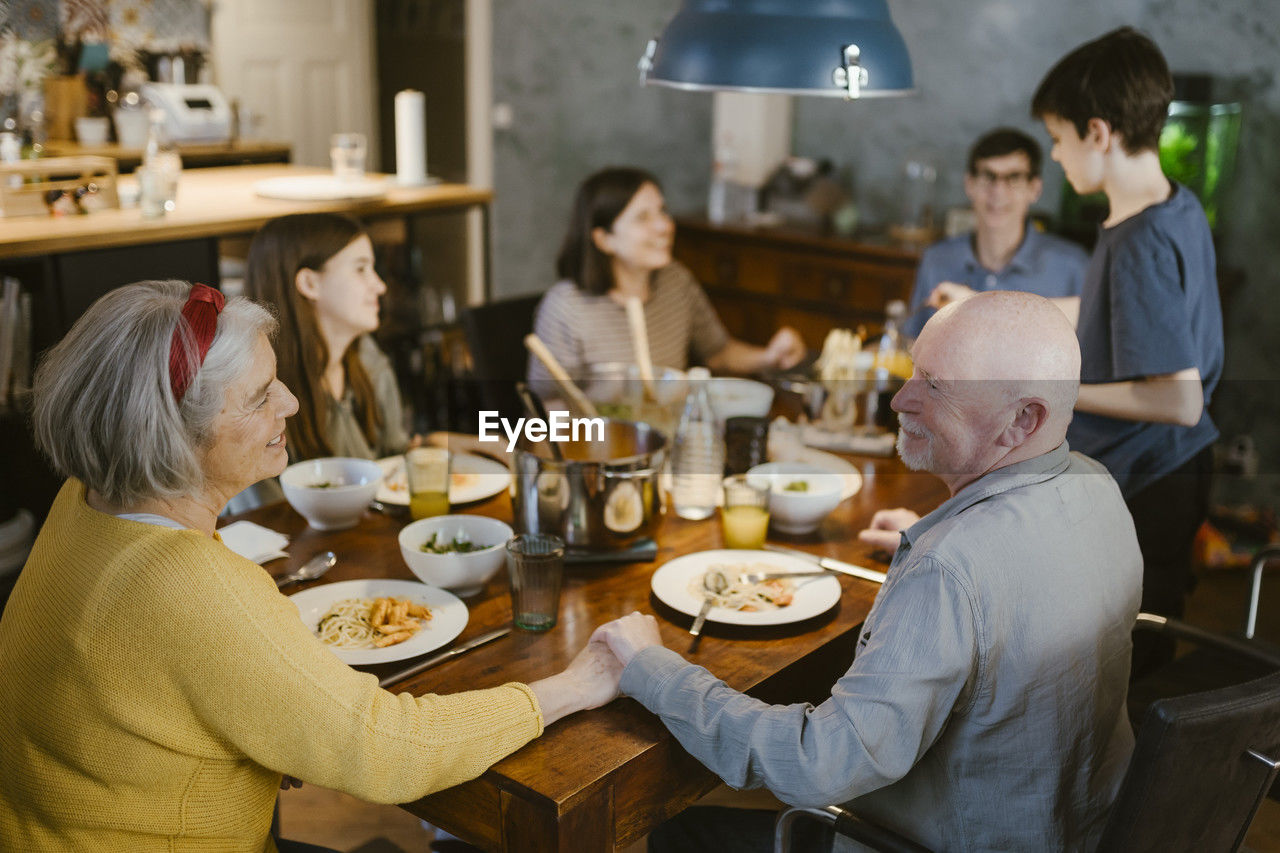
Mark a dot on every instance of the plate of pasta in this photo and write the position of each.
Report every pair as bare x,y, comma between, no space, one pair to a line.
683,582
378,621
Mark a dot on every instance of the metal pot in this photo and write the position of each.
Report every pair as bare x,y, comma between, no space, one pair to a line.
602,496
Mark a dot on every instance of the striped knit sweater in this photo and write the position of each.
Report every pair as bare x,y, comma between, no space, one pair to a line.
156,686
582,329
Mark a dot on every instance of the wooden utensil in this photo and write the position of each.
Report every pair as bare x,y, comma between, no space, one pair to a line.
640,345
577,401
533,405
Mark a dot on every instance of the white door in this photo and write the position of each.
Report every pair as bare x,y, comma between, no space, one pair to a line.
304,68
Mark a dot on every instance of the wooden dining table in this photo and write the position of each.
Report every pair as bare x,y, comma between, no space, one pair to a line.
599,780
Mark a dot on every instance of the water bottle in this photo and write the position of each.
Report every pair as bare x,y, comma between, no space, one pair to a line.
697,456
161,168
718,202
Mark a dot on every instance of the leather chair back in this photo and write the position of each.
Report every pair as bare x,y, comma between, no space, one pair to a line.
495,335
1200,769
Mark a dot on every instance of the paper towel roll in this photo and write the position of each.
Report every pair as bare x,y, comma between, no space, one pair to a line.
411,137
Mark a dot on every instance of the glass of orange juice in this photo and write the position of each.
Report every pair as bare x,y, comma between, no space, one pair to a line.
744,515
428,473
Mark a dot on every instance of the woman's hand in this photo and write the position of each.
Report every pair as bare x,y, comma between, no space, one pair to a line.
886,528
785,349
589,681
629,635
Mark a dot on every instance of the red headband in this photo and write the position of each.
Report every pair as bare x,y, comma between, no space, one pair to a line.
201,315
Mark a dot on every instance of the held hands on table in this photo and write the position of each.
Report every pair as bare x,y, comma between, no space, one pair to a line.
591,680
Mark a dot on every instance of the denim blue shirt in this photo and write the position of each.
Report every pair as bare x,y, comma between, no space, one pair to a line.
985,706
1044,264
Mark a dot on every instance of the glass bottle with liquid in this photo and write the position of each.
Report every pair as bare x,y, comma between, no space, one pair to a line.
697,454
161,169
892,355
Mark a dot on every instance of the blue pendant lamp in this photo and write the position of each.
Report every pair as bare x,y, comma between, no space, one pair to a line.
838,48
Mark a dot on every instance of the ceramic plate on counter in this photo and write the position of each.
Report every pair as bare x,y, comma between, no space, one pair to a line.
321,188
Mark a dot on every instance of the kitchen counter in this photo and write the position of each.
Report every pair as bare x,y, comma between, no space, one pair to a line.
213,203
195,155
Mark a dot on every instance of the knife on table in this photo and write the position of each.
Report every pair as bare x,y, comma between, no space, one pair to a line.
443,656
696,629
831,565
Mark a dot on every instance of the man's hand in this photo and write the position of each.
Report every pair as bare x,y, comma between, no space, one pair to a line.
630,634
948,292
786,348
885,527
589,681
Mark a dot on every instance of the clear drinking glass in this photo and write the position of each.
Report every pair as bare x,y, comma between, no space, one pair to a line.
744,515
535,563
427,469
347,155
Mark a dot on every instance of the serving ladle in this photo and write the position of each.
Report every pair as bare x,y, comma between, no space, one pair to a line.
312,569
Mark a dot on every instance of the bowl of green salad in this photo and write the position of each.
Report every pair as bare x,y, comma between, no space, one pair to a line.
459,553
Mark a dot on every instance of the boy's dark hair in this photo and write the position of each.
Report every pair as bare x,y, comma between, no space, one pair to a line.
600,201
1002,141
1121,78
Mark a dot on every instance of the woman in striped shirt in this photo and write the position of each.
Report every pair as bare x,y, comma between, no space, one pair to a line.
618,245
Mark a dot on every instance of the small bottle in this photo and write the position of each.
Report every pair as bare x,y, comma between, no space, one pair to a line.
161,168
718,202
697,455
891,353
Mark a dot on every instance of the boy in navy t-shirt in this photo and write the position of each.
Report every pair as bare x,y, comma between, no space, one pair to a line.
1149,320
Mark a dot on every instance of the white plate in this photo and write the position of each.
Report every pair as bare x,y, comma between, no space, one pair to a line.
448,615
471,478
813,595
320,188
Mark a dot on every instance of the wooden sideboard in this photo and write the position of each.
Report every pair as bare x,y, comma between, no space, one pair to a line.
760,278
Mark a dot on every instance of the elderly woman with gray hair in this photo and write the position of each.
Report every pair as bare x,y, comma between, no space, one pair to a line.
156,685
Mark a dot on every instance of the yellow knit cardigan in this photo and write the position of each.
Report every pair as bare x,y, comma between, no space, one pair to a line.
154,686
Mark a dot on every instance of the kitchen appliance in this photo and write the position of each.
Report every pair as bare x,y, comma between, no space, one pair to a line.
193,112
604,495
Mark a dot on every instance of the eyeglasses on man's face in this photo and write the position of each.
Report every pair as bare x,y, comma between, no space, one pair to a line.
1016,180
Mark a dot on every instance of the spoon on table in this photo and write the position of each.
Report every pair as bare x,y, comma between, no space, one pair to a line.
312,569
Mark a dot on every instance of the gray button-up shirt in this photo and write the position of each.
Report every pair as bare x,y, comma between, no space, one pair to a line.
984,709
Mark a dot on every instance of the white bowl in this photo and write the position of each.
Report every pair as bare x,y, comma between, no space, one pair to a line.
331,493
462,573
797,512
732,397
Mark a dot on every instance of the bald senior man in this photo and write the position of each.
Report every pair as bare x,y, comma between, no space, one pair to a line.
984,708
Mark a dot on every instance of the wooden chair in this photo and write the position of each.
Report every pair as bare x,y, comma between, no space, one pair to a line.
495,336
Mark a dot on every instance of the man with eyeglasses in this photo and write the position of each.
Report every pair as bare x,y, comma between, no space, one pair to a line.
1004,252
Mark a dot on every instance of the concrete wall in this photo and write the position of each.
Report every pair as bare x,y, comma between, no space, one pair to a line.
568,69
